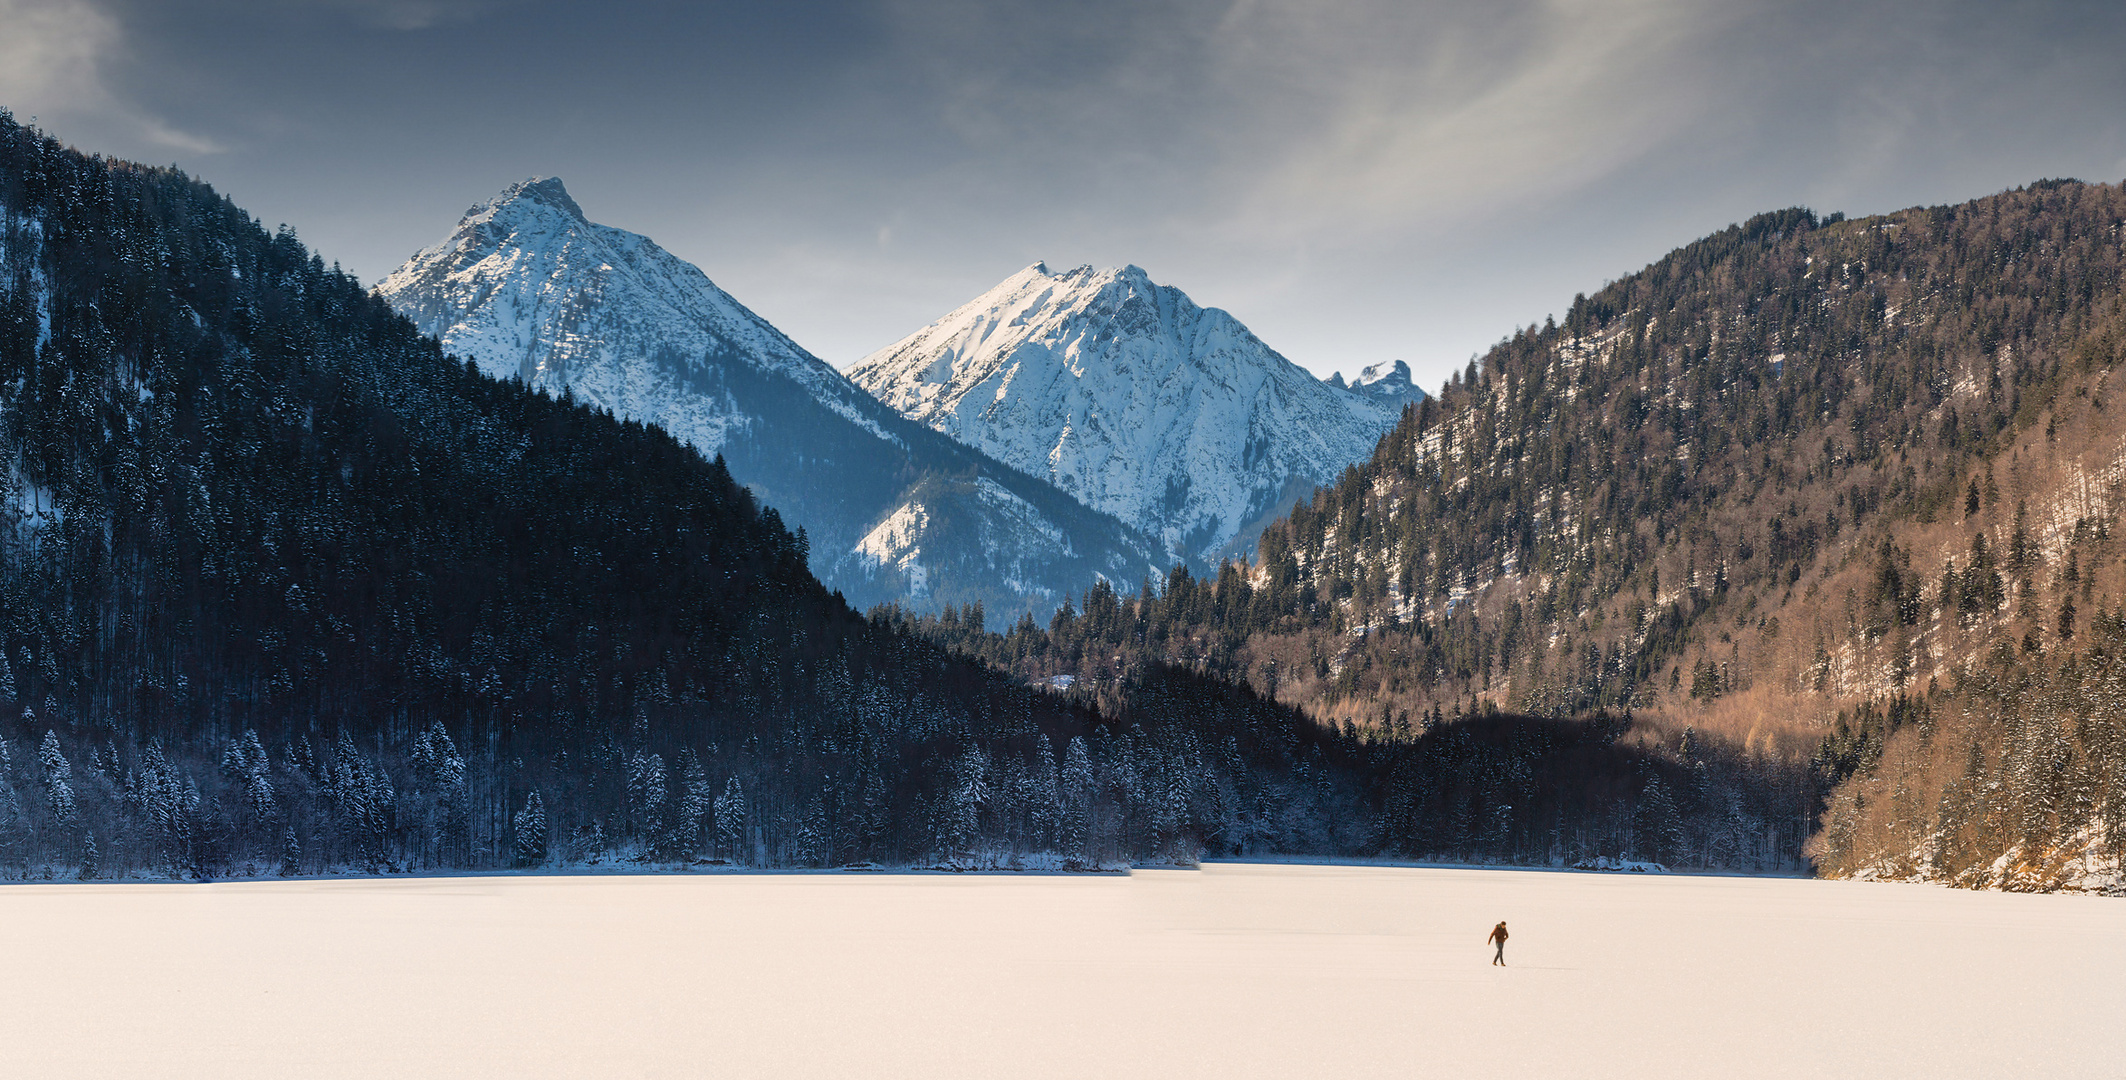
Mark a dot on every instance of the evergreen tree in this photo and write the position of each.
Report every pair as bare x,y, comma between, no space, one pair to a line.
291,858
529,830
1045,798
696,801
647,788
1659,826
58,777
731,822
1077,786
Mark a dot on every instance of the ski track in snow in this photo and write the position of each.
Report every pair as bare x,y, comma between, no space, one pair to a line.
1233,971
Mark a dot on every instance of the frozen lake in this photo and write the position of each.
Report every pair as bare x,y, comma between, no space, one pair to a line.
1232,971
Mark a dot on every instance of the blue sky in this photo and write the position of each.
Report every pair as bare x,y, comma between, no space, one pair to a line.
1357,181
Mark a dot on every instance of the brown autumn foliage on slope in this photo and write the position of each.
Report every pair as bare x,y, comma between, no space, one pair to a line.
1783,490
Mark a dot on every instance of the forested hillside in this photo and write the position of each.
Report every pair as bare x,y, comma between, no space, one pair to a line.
1482,786
1809,528
1782,492
283,589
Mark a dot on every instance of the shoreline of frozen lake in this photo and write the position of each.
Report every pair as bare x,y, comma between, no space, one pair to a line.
1236,970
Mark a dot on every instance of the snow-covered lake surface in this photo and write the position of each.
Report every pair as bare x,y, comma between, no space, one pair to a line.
1232,971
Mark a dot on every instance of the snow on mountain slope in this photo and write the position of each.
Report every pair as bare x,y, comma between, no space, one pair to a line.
526,286
1173,417
1388,383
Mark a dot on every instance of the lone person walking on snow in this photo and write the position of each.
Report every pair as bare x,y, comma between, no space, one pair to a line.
1498,934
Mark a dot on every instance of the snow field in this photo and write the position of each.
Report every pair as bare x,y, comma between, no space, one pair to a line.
1232,971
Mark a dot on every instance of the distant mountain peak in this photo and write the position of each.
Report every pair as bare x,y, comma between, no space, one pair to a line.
1393,369
1127,394
527,287
544,190
1388,383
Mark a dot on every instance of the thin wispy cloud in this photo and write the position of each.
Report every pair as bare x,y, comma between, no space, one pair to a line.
1358,180
52,60
1408,115
405,15
48,55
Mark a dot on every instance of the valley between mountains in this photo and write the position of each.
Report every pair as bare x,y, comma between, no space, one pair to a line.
1796,549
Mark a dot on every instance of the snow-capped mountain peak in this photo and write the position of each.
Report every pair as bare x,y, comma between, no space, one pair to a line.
543,191
526,286
1392,372
1124,392
1389,383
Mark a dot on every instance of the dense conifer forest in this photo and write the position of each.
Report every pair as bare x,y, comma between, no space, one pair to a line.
1806,533
284,590
1776,494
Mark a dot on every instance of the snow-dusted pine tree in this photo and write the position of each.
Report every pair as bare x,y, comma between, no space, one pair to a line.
1074,835
697,801
1659,825
647,787
1044,800
966,794
731,821
530,831
58,777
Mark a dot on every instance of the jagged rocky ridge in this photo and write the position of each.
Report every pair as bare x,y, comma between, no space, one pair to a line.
1388,382
530,289
1126,394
